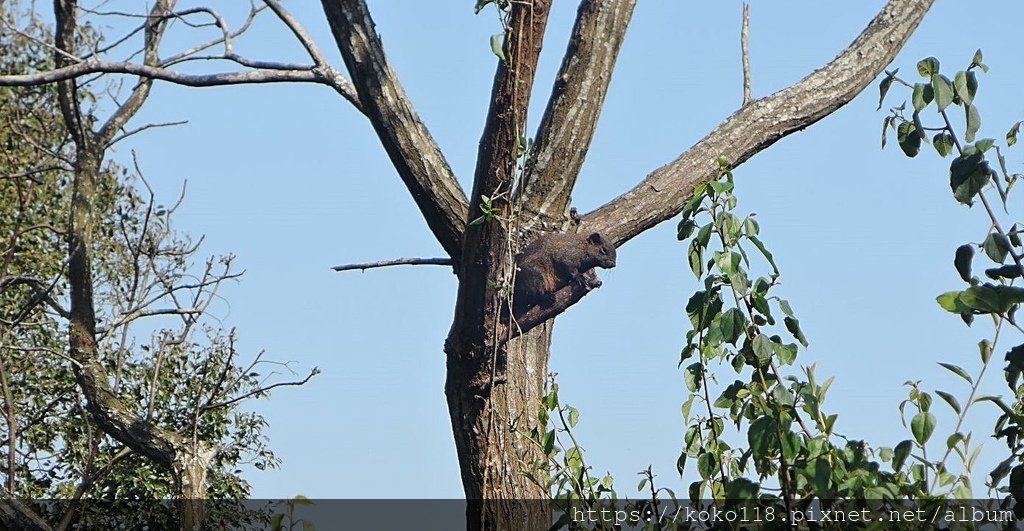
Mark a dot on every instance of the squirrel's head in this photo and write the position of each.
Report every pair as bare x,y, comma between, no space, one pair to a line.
604,251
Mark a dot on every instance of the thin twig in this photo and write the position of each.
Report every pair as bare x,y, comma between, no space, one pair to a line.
143,128
262,390
745,47
397,261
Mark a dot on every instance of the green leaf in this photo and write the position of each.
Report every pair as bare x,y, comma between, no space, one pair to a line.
687,353
793,325
972,84
960,87
767,255
950,301
550,400
923,95
791,445
574,458
691,436
698,196
951,400
761,435
704,235
957,370
692,376
984,299
1011,135
962,261
497,46
707,465
695,256
733,325
574,416
685,229
909,139
721,187
943,143
785,353
996,246
762,347
681,464
985,144
924,400
985,349
883,87
968,174
922,426
1009,296
943,88
973,122
900,454
741,489
819,474
750,226
548,443
761,305
783,396
928,67
977,60
687,406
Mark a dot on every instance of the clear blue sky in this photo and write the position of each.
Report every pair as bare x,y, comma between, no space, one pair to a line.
292,180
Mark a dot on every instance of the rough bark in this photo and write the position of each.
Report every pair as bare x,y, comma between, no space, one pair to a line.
190,467
17,515
570,119
491,421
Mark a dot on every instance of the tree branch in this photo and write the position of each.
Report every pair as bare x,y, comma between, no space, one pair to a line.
320,72
568,125
259,391
17,515
760,124
413,152
104,405
156,24
397,261
563,299
745,52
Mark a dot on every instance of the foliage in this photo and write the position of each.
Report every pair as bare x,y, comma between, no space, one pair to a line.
972,177
182,372
763,444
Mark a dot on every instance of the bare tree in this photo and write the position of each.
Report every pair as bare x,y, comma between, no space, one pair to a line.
495,380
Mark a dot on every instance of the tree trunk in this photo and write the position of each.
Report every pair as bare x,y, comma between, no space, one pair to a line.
491,423
189,468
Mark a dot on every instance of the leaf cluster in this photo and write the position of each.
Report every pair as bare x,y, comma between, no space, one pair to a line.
996,295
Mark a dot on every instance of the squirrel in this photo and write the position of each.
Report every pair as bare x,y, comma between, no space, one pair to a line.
553,261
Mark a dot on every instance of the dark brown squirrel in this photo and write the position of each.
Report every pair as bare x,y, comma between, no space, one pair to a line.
553,261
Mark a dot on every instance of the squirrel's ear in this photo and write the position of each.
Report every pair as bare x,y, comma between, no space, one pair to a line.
596,239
